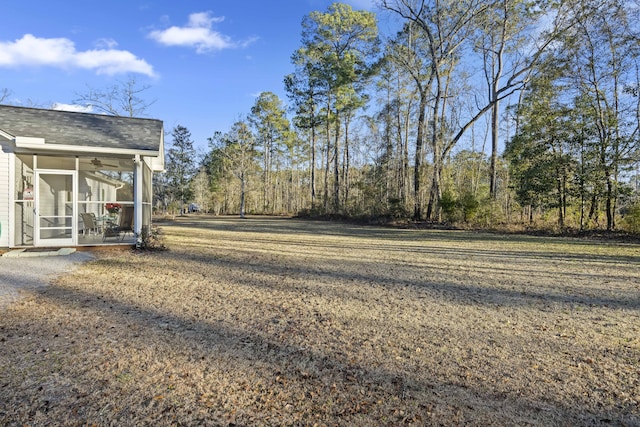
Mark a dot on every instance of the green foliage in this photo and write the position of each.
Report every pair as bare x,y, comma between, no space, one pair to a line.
489,215
273,137
337,59
449,205
174,207
540,154
572,135
238,150
202,190
469,205
631,220
181,165
398,209
270,122
461,208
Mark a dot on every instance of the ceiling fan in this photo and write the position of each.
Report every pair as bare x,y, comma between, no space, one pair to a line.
98,163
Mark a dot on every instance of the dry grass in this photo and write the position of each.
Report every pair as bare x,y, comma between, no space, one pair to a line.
283,322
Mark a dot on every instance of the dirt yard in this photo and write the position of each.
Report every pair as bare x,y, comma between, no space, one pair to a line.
284,322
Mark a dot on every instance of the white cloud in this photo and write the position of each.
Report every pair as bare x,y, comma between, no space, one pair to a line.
198,33
363,4
72,107
106,43
62,53
113,61
203,19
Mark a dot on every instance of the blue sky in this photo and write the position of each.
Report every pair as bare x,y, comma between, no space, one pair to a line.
205,60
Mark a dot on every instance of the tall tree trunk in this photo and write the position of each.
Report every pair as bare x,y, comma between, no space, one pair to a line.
417,199
435,194
347,162
436,143
328,159
313,166
405,164
495,128
610,203
242,194
336,168
267,176
388,154
560,198
404,155
494,88
583,190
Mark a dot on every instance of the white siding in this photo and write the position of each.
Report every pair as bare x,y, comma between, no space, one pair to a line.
4,195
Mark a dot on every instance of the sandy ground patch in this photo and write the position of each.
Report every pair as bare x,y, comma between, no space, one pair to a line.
19,276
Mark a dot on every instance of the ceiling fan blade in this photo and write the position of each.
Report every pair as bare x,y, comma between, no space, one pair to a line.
98,163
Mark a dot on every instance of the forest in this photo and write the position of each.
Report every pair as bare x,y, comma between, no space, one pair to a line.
485,113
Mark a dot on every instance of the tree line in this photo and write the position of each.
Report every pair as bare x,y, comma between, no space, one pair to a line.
478,111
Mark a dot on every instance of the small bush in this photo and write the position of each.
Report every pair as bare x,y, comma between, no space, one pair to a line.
469,205
397,209
152,239
449,205
463,208
489,215
631,220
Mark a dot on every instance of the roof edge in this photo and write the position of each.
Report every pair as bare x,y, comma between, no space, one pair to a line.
7,135
80,113
92,150
28,140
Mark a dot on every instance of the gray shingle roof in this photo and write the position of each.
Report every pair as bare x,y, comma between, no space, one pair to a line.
82,129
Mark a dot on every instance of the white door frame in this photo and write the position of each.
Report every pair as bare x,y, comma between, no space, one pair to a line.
72,241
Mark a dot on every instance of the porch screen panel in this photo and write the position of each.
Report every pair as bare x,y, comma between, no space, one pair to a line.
23,200
55,206
147,195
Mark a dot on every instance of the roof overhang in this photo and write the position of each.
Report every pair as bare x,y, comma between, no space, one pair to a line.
34,145
157,162
28,140
7,135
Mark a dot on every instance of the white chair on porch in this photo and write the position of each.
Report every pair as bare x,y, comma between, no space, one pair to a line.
124,225
89,224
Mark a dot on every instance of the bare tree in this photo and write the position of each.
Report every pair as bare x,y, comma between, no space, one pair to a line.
201,190
4,94
447,26
238,146
120,99
410,50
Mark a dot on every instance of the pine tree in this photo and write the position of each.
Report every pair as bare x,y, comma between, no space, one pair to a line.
181,165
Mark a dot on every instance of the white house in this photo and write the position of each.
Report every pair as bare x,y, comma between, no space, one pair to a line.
57,167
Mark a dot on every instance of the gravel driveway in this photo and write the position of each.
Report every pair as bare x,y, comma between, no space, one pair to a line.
20,274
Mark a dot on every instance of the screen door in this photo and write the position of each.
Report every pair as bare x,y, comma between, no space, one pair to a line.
55,208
